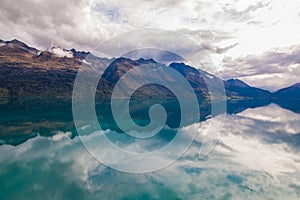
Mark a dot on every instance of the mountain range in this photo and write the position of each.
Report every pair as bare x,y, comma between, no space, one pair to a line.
29,72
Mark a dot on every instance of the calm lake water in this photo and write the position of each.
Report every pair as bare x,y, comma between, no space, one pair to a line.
257,156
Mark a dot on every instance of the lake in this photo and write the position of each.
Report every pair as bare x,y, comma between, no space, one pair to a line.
257,155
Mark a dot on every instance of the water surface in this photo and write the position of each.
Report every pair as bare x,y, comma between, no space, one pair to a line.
257,156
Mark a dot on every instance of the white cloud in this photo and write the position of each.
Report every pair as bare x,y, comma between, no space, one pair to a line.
271,70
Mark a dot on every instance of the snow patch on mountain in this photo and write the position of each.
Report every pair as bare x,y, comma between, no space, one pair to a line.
209,76
60,52
86,62
2,44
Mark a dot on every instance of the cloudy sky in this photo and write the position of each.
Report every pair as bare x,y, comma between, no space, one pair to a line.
257,41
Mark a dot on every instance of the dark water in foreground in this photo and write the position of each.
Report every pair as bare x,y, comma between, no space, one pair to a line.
257,156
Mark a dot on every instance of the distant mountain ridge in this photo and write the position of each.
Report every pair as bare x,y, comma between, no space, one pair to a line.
26,71
291,92
236,86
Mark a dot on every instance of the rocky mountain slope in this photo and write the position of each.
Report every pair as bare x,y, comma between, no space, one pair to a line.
26,71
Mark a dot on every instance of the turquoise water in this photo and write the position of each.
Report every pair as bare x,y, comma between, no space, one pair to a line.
257,157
